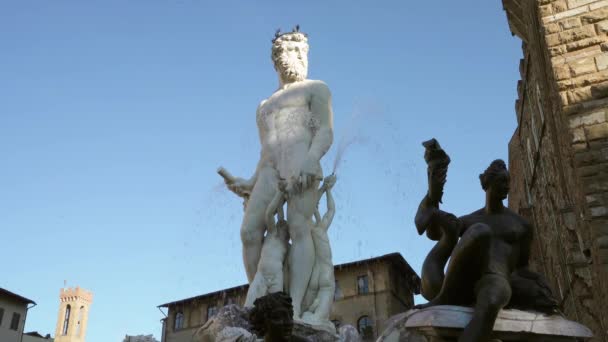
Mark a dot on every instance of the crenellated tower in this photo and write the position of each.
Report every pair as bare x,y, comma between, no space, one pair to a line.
73,314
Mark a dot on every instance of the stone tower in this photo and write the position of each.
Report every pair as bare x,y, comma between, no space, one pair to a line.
558,154
73,314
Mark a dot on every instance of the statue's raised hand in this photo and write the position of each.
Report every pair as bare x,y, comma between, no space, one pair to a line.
328,182
308,174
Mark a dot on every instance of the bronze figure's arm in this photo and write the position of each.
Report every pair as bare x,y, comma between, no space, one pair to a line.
428,217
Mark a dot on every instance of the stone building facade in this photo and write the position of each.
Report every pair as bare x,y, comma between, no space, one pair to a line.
368,292
13,312
139,338
73,314
558,154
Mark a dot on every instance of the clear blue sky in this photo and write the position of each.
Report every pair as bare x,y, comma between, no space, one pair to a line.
114,116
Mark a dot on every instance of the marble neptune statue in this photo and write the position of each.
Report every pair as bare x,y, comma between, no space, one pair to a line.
296,129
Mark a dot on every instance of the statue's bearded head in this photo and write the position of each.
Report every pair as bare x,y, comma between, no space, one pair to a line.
290,56
272,317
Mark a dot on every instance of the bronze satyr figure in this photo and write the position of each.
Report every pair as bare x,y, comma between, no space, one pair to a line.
272,318
488,251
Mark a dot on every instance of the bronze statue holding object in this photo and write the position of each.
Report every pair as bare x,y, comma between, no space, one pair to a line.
488,251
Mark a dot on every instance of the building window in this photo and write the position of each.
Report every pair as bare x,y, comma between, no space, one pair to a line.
79,322
66,320
362,285
539,105
1,315
337,291
15,321
365,328
179,320
211,311
230,301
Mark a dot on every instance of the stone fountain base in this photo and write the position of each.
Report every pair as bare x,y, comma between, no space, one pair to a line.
445,323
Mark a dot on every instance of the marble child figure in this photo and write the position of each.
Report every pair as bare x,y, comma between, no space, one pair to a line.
269,277
320,294
295,126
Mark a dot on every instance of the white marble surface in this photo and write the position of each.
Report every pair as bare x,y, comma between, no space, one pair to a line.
320,292
509,322
295,126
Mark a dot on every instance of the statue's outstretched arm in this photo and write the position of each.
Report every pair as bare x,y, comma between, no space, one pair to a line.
262,136
322,121
331,210
428,217
317,217
328,184
320,106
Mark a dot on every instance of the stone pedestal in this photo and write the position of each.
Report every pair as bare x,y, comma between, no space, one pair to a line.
446,322
314,333
396,331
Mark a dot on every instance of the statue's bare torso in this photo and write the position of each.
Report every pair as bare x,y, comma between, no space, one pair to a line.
510,232
287,127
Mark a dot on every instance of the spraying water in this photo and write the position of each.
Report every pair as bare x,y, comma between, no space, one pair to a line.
351,137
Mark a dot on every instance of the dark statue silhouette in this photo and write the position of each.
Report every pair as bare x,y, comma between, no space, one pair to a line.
488,251
272,318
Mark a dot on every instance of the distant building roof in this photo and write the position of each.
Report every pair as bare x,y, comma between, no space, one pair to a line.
7,293
206,295
36,334
392,257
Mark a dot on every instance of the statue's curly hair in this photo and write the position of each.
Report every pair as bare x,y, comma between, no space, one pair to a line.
265,305
496,167
280,38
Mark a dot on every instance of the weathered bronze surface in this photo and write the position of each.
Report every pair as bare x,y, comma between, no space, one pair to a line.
272,318
488,251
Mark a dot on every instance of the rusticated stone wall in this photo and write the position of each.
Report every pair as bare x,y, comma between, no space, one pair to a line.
558,154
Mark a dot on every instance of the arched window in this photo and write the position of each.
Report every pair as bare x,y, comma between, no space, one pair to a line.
79,322
179,320
66,319
365,328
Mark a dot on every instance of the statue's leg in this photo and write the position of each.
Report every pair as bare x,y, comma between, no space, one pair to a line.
465,267
277,284
253,227
300,209
311,290
257,289
327,287
493,293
